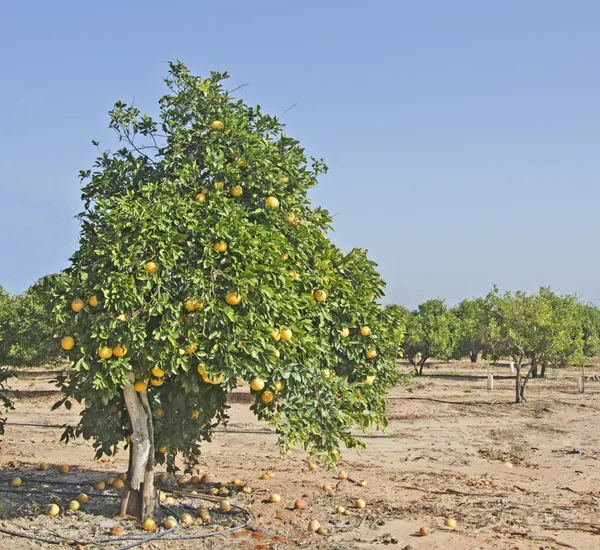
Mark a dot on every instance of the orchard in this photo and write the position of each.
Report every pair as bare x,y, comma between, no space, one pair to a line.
202,262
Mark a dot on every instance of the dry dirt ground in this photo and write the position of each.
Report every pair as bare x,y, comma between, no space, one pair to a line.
521,477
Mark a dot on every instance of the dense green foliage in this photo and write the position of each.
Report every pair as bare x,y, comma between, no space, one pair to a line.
168,200
430,332
26,326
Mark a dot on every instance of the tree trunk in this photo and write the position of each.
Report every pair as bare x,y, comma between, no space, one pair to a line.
522,385
518,382
543,373
422,362
473,355
139,496
534,367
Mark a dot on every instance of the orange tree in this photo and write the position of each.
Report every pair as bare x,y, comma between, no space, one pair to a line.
201,262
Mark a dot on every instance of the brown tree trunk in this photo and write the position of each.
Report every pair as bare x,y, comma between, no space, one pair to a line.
543,372
139,496
422,362
518,382
534,367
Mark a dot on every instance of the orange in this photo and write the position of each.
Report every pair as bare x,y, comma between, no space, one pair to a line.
369,380
190,349
345,332
220,246
286,334
279,385
119,351
93,301
77,305
200,197
157,381
150,524
284,257
365,331
233,298
237,191
190,305
150,267
140,386
52,510
158,372
257,384
213,381
275,335
320,295
272,202
217,125
220,185
371,354
67,343
267,396
105,352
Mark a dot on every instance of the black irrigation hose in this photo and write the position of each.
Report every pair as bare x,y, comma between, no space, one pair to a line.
148,539
139,539
71,493
224,431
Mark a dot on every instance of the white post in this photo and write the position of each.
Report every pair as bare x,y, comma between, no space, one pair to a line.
512,367
490,382
580,384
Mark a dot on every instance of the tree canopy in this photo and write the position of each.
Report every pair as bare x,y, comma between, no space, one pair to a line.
202,261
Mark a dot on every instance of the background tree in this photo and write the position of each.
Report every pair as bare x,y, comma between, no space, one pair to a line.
201,261
589,319
26,326
471,327
429,333
538,328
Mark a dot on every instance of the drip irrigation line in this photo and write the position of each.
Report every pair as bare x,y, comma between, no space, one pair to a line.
151,538
67,493
224,431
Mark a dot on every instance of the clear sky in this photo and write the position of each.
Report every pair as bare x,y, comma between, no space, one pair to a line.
463,137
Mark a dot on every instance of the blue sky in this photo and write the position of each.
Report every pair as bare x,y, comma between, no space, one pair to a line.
463,137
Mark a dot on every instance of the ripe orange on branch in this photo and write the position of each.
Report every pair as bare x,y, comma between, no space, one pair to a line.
105,352
67,343
233,298
77,305
150,267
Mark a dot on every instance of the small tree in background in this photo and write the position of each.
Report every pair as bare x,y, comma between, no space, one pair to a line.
589,320
430,332
471,327
26,326
201,261
539,327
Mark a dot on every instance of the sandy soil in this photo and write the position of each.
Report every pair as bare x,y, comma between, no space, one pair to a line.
521,477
